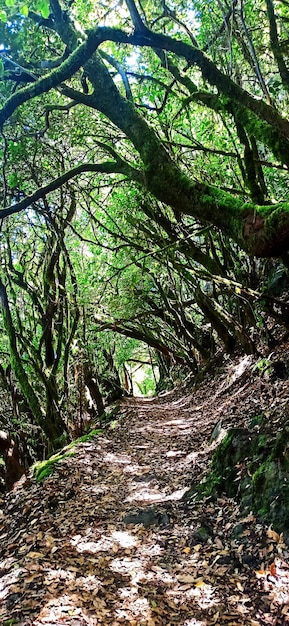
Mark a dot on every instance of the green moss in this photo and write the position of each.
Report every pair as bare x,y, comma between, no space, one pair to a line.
253,468
60,442
85,438
270,492
212,486
223,198
257,420
277,218
222,476
42,469
234,461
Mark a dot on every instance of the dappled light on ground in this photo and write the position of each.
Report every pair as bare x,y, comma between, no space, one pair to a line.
124,539
108,539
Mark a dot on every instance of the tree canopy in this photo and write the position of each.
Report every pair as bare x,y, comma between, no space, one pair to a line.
161,92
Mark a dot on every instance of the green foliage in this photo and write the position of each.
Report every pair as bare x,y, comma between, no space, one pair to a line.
42,6
147,385
87,437
263,366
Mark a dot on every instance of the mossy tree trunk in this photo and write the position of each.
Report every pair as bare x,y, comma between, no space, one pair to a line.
51,427
91,383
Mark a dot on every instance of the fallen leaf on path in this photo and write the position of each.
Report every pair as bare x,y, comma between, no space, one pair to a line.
186,578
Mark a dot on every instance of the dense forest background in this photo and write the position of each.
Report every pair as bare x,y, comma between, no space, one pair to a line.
145,210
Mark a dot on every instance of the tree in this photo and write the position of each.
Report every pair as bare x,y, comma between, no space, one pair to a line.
143,144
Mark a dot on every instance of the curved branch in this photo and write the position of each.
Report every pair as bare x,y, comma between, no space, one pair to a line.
223,26
142,336
255,61
208,68
145,37
75,60
120,71
17,72
110,167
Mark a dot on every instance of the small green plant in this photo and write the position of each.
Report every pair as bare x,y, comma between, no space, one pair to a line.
263,366
147,385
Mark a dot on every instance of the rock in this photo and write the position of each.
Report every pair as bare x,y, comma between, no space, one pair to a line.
147,517
237,531
218,432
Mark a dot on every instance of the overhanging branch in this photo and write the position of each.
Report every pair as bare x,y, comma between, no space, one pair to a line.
208,68
67,69
110,167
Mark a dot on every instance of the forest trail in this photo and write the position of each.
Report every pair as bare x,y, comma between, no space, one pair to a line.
107,539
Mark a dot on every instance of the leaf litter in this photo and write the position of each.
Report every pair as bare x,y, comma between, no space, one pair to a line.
108,538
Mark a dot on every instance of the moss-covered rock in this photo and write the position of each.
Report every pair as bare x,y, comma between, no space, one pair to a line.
253,468
270,485
237,456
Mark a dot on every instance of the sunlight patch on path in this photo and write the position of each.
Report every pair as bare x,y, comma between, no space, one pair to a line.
117,539
147,496
118,459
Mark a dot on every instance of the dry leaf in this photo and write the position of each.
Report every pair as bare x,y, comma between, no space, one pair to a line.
200,584
281,539
273,571
36,555
260,573
32,577
186,578
273,535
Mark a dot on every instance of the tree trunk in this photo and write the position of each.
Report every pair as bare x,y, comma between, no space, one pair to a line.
92,385
50,428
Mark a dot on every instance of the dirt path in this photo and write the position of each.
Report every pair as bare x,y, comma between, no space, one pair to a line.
70,556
